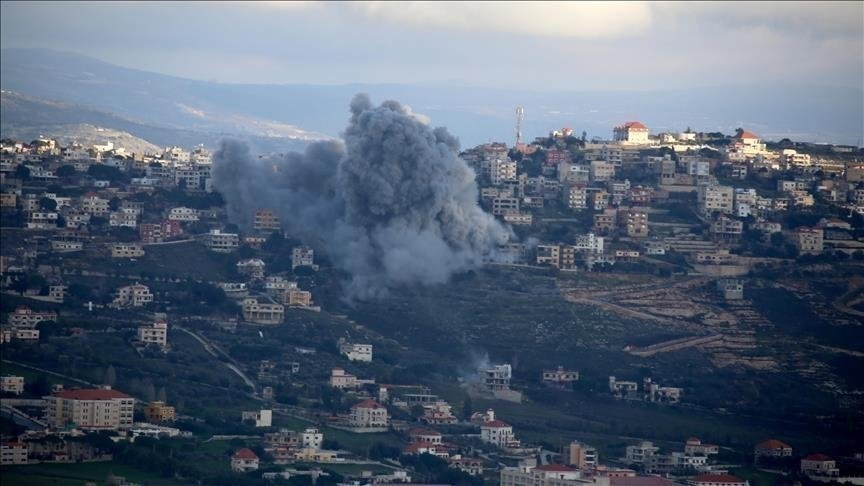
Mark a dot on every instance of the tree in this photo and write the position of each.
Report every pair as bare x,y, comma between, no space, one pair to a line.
22,172
467,408
66,171
47,204
114,203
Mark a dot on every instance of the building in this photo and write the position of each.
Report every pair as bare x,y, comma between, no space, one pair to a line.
549,475
356,352
497,377
251,267
24,317
631,132
635,221
638,454
716,480
221,242
715,198
262,313
498,433
89,409
126,250
300,298
439,412
244,460
311,439
261,418
731,288
158,412
819,465
791,158
159,232
12,384
549,255
622,388
744,146
303,256
576,197
265,220
502,170
369,414
341,379
724,228
582,456
137,295
560,377
156,333
605,221
184,215
695,447
772,448
13,453
809,240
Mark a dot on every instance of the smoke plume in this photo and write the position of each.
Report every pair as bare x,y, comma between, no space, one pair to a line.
392,205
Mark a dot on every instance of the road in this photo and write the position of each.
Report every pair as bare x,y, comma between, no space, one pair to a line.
216,352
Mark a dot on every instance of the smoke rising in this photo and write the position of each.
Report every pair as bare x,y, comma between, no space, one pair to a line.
392,205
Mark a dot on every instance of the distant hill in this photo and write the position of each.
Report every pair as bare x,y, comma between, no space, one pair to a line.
474,114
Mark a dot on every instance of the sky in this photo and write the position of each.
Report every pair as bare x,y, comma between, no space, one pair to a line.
534,45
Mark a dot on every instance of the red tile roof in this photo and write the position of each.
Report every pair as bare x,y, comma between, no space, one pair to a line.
90,394
245,453
745,134
635,124
369,403
773,444
555,468
717,478
495,424
817,457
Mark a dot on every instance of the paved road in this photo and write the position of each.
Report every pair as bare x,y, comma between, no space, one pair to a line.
215,351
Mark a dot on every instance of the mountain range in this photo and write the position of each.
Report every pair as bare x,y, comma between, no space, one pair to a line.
47,90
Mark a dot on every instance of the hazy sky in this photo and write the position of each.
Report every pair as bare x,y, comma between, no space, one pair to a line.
621,45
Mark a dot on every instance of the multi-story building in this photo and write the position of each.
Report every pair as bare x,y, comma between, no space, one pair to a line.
137,295
123,218
439,412
502,170
498,433
221,242
560,377
303,256
589,243
716,480
42,220
260,418
605,221
12,384
505,205
582,456
89,409
637,454
91,203
265,220
299,298
809,240
127,250
715,198
159,232
549,475
819,465
601,171
369,414
356,352
631,132
725,228
341,379
771,448
13,453
577,197
497,377
251,267
549,255
183,214
635,221
158,412
156,333
791,158
262,313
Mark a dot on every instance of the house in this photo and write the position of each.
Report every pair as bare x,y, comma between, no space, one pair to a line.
251,267
470,465
425,436
89,409
548,475
635,222
262,313
560,377
713,198
497,377
631,132
244,460
300,298
158,412
637,454
717,480
355,352
12,384
182,214
127,218
605,221
261,418
368,414
156,333
622,388
137,295
819,465
582,456
772,448
126,250
220,242
439,412
731,288
303,256
13,453
24,317
311,439
418,448
809,240
725,228
695,447
341,379
497,432
159,232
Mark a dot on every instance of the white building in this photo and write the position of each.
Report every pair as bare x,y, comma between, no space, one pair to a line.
498,433
221,242
262,418
497,377
244,460
127,250
303,256
637,454
356,352
123,218
369,414
262,313
13,453
503,170
311,439
715,198
137,295
186,215
631,133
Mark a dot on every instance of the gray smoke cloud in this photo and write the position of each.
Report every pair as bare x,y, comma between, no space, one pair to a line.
392,205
